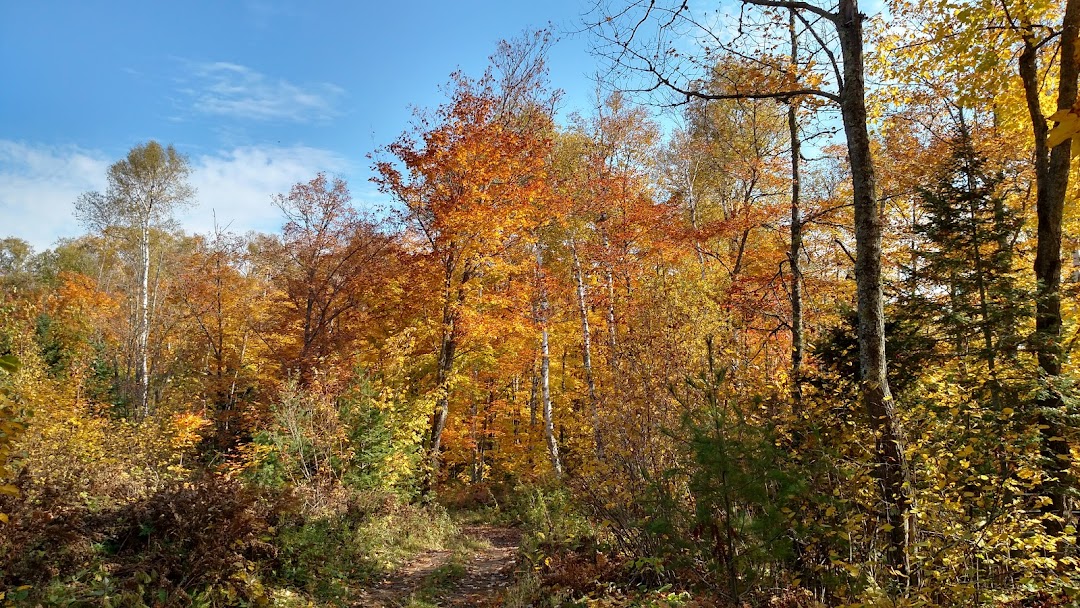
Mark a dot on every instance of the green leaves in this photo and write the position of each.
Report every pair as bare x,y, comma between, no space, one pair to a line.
9,363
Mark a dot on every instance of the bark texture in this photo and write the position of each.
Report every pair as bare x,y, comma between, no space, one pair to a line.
1051,183
893,469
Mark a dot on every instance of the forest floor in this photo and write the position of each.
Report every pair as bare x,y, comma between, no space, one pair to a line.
472,575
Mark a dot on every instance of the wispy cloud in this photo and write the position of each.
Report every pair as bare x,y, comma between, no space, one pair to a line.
235,186
228,89
39,185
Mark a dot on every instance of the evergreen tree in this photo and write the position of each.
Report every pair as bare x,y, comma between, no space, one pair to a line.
969,288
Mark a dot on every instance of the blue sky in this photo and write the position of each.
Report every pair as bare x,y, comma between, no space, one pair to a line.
260,94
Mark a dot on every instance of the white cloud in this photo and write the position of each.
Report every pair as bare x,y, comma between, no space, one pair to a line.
39,184
236,185
38,188
237,91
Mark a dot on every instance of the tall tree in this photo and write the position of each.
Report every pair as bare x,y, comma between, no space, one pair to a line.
16,256
796,251
543,316
468,187
601,169
144,191
223,295
1052,166
333,262
966,275
665,66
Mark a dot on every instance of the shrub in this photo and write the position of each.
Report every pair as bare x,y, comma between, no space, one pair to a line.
204,536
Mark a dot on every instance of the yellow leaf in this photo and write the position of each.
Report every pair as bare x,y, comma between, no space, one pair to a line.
1068,125
1060,115
9,490
4,517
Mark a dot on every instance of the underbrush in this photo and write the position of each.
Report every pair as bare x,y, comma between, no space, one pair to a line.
329,558
567,558
208,542
571,558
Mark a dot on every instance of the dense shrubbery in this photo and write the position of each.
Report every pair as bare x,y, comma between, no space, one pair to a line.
207,539
782,512
185,538
112,511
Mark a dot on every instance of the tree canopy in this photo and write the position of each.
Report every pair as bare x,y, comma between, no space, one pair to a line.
787,319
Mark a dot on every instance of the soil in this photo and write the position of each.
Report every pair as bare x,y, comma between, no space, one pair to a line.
487,572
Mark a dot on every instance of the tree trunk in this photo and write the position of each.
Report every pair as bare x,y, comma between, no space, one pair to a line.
477,448
444,371
545,371
442,401
534,394
989,348
586,354
1051,183
142,342
893,469
609,281
545,384
796,230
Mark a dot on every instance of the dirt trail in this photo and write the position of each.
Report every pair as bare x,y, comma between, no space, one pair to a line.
487,572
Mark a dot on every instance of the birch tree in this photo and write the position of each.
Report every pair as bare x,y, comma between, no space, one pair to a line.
145,189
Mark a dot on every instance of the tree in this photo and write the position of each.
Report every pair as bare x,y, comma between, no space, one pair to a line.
599,171
1004,60
543,317
1052,166
966,275
144,191
223,296
796,251
16,258
333,261
468,189
839,37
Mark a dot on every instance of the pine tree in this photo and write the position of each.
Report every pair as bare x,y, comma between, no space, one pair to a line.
969,285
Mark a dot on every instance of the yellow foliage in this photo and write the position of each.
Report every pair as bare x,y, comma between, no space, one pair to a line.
186,430
1068,125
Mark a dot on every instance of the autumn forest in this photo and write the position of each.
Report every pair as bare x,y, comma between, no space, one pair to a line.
786,319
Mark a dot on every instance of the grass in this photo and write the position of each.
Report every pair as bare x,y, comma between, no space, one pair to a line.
441,581
330,559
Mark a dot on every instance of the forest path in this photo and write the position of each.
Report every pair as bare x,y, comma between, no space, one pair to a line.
446,579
